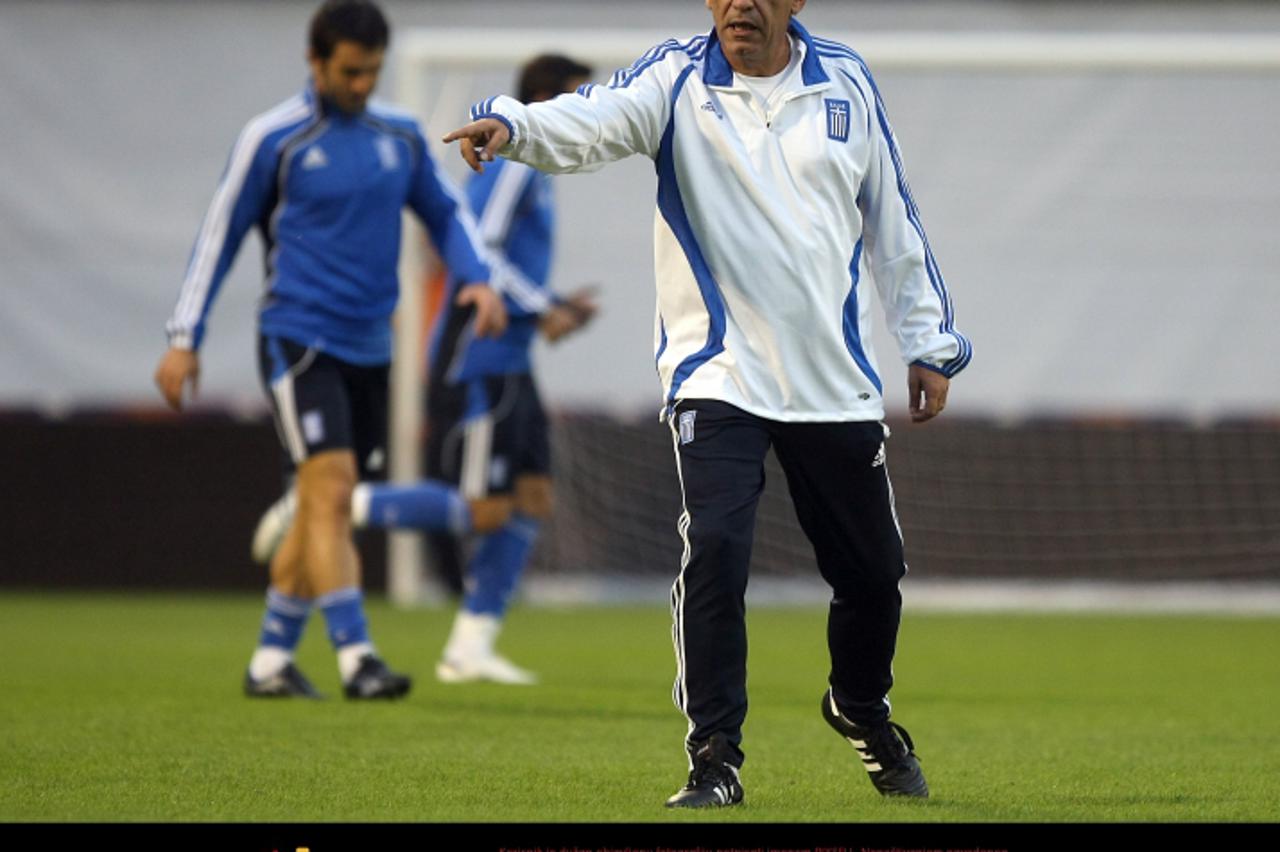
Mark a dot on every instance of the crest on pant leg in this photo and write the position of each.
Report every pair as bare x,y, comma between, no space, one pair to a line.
313,426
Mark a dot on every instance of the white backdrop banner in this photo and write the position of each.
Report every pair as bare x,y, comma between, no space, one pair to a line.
1108,237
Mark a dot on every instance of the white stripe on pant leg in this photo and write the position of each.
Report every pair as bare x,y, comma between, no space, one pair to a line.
287,417
893,504
680,692
893,508
287,408
477,446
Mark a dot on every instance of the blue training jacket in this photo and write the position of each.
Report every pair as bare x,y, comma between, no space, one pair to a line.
325,190
516,219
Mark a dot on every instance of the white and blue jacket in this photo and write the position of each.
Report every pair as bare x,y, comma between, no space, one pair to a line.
769,224
325,189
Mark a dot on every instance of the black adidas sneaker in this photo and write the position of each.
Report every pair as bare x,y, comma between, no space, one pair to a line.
886,750
286,683
713,781
374,680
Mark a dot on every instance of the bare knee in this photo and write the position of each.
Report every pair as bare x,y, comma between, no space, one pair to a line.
325,482
489,514
289,581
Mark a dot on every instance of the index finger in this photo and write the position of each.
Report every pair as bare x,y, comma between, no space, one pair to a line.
465,130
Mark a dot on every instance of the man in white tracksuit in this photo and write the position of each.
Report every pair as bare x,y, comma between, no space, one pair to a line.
780,192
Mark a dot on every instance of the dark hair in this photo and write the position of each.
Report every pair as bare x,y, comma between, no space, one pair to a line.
347,20
548,74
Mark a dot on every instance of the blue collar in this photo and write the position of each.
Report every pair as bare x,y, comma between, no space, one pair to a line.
718,72
324,108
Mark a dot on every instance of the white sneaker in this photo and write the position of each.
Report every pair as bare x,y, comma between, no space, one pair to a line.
272,527
492,667
469,654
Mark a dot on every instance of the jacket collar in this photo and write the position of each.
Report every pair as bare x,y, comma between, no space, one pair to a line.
323,108
718,72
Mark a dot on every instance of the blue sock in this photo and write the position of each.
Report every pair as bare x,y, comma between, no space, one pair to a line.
344,615
497,565
425,505
283,621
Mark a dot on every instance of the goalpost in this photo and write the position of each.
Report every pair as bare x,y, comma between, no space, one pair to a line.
439,73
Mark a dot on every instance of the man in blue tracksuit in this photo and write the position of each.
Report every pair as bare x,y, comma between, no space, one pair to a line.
324,177
487,431
488,455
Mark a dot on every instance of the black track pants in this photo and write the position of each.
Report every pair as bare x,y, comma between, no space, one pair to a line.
840,487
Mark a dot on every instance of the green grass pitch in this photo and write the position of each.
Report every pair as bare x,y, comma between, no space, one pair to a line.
127,708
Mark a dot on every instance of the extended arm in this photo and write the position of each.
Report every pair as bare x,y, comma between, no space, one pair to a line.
575,132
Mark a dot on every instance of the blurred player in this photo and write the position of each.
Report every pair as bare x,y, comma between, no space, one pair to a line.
324,177
487,431
781,198
488,452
